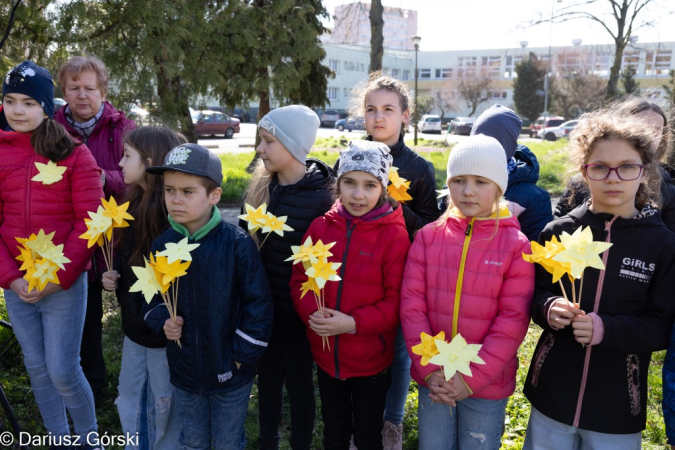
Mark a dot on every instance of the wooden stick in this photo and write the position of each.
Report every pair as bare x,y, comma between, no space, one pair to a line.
574,293
581,287
563,289
263,242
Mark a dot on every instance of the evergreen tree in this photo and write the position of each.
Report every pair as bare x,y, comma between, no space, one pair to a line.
528,87
630,85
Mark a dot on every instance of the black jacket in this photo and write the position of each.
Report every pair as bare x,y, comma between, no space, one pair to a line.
422,209
226,304
576,192
132,303
636,307
301,203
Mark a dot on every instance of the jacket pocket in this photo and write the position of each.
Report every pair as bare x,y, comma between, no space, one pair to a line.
540,357
633,383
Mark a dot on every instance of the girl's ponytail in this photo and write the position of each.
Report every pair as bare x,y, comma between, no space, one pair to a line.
51,140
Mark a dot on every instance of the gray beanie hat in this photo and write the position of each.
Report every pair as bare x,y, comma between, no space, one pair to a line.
367,156
482,156
295,126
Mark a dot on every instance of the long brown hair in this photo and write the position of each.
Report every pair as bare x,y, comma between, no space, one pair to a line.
51,140
147,205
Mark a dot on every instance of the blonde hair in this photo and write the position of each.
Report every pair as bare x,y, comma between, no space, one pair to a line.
377,81
258,191
612,122
77,65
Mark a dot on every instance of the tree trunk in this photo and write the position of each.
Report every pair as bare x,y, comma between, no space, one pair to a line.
615,72
263,108
376,35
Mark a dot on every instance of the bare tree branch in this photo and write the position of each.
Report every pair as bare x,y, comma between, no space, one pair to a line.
15,6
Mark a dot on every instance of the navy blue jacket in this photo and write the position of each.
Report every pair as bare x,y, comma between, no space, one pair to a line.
226,304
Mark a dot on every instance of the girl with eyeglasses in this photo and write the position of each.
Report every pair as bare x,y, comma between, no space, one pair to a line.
587,381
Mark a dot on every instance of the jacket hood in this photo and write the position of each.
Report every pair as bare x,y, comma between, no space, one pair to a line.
318,174
527,167
501,123
649,216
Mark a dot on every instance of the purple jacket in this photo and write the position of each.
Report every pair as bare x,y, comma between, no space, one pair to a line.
106,143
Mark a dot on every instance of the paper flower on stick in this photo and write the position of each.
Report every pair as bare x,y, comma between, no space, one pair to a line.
323,271
272,223
101,223
116,213
398,189
309,285
580,251
544,255
180,250
42,272
254,216
427,349
170,271
146,282
307,253
99,227
41,259
49,173
456,356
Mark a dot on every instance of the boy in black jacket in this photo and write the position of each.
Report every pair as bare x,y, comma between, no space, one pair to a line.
224,305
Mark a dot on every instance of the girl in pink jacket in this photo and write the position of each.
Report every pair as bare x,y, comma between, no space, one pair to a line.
465,274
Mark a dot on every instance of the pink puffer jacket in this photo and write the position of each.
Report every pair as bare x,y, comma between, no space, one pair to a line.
494,305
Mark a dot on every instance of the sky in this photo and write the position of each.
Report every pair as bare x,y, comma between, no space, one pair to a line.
485,24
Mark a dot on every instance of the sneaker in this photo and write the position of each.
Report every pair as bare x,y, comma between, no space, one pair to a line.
351,444
392,436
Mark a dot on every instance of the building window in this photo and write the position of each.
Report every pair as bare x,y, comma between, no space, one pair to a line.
333,93
424,74
396,73
466,66
492,66
443,73
510,66
658,63
630,59
363,68
497,95
334,65
346,93
346,65
405,76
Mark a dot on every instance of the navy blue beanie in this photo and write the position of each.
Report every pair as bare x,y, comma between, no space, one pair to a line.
502,124
34,81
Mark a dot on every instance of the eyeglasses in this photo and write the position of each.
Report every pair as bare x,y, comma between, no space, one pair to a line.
625,172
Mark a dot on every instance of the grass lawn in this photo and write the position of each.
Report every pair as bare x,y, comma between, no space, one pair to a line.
553,160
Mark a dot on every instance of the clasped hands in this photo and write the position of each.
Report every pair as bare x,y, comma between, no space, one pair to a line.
448,392
563,313
331,323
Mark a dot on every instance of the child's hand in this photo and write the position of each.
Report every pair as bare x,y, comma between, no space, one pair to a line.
35,296
441,391
18,286
331,323
562,312
173,330
109,280
461,391
583,329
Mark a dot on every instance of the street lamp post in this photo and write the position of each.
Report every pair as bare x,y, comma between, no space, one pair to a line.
416,41
548,68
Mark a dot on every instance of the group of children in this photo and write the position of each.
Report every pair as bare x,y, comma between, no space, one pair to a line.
401,270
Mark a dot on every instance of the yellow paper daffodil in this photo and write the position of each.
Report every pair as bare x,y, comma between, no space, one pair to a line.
49,173
178,251
146,282
117,213
581,251
323,271
456,356
310,285
543,255
97,227
276,224
427,348
254,216
42,244
43,272
309,253
26,257
398,189
170,271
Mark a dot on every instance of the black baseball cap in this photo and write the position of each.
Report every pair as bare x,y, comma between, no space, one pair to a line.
193,159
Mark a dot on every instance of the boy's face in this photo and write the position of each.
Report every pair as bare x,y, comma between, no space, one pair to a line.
187,201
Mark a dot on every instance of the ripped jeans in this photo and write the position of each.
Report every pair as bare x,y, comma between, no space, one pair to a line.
146,398
475,423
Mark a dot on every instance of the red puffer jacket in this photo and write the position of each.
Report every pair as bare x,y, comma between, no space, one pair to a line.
373,256
27,206
493,308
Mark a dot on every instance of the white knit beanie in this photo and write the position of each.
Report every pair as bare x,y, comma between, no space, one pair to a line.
367,156
295,126
482,156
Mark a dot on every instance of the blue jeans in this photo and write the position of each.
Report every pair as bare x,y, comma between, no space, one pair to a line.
218,418
145,402
49,332
548,434
475,423
394,408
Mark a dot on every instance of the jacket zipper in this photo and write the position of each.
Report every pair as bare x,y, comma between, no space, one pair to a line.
596,307
460,277
350,228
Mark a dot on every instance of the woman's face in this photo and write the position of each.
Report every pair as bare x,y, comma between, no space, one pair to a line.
84,96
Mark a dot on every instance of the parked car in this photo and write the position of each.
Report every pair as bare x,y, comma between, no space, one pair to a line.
551,121
240,114
526,125
210,123
350,124
461,125
329,117
59,103
429,123
563,130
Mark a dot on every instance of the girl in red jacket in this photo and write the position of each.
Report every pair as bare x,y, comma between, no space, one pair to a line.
361,313
47,183
465,274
